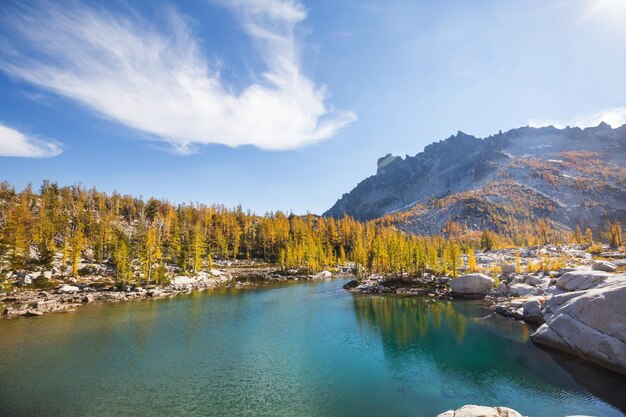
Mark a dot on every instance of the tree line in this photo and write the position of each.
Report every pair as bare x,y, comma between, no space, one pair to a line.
149,240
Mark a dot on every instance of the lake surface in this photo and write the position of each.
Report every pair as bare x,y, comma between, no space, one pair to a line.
301,349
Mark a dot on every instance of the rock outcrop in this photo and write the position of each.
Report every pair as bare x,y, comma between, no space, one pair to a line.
588,318
471,284
581,280
481,411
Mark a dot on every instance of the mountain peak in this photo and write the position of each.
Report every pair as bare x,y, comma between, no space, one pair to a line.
385,161
539,161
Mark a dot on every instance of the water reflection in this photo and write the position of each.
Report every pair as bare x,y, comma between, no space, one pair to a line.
287,349
406,321
464,338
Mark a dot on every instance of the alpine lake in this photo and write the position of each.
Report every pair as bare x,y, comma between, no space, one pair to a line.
290,349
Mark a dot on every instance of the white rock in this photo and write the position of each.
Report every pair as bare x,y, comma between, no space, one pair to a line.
68,289
604,266
155,293
589,323
538,281
182,280
323,274
25,280
471,284
508,268
517,303
521,290
481,411
47,274
581,279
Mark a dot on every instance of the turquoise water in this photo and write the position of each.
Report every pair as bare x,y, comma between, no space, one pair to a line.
306,349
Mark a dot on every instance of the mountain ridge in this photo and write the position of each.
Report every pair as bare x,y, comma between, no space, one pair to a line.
576,176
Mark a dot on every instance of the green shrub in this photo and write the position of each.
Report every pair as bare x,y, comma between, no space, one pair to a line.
43,283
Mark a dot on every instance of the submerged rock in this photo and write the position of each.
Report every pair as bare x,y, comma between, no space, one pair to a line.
481,411
471,284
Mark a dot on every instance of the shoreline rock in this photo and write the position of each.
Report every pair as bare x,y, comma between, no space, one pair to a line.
26,302
480,411
436,287
471,285
588,320
579,308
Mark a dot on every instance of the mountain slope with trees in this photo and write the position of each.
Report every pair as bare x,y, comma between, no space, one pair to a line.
570,176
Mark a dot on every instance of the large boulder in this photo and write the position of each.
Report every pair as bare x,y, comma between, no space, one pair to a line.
538,281
508,268
589,323
581,279
604,266
521,290
471,284
481,411
531,311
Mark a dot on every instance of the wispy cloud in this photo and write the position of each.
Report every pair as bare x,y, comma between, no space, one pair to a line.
615,117
154,78
15,143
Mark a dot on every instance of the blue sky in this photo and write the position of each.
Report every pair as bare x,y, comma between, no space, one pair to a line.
285,104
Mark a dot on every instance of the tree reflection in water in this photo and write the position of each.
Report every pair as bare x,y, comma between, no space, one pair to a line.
465,338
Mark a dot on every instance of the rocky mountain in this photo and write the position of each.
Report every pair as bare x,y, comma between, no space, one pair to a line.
571,176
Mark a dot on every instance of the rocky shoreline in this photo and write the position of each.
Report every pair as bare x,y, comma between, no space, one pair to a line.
67,296
578,307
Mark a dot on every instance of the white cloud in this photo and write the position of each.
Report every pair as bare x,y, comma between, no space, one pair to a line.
606,11
615,117
15,143
156,79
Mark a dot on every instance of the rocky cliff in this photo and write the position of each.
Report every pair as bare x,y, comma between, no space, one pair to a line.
572,176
